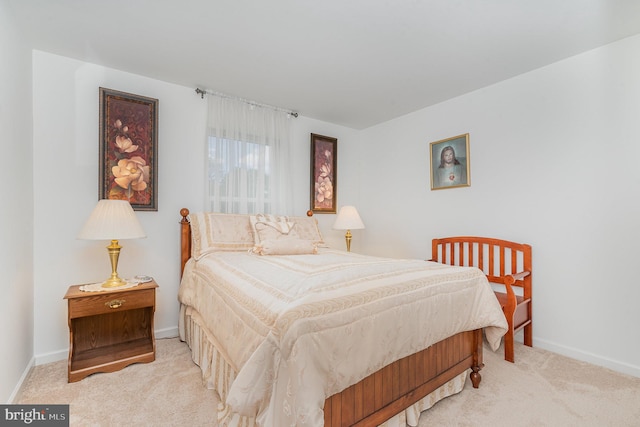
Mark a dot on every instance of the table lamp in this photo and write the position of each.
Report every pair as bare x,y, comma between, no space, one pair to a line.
348,219
112,220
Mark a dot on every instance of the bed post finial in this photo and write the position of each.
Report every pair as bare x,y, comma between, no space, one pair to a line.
185,213
309,212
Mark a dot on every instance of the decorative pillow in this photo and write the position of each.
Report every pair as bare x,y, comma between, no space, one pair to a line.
285,246
213,232
282,235
266,227
273,230
307,228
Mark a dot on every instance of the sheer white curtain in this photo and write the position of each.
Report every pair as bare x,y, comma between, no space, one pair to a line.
248,158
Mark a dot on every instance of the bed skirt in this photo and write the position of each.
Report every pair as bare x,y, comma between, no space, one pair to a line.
218,375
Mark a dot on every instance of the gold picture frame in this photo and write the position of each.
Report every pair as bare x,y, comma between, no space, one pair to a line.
324,180
450,163
129,149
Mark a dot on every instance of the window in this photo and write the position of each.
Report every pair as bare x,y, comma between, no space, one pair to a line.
239,176
248,158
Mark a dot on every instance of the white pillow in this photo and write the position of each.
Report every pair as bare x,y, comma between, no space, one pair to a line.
305,228
266,227
285,246
213,232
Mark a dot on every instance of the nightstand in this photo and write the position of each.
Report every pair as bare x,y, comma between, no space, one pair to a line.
111,329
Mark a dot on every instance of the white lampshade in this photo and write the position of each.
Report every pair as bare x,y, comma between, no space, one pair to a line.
112,219
348,219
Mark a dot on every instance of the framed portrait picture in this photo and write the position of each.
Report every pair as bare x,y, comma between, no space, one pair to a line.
129,149
324,161
449,160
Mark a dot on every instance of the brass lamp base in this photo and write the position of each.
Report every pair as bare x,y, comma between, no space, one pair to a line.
114,282
114,253
347,237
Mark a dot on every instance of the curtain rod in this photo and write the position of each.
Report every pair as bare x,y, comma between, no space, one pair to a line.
203,92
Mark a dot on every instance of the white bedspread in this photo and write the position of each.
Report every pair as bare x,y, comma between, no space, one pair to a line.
297,329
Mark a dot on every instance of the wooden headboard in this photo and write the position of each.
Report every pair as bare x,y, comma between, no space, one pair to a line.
185,237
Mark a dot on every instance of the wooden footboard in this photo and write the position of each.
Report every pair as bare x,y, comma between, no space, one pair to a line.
397,386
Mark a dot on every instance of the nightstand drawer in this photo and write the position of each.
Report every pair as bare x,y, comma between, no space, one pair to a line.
110,302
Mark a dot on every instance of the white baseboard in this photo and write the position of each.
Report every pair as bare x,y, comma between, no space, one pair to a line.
55,356
167,333
594,359
23,377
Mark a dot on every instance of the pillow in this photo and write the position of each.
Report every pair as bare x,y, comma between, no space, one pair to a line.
285,246
267,227
269,230
213,232
305,228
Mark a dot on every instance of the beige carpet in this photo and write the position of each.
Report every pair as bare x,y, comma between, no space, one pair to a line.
541,389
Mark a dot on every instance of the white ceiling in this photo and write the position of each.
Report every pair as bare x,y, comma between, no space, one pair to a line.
350,62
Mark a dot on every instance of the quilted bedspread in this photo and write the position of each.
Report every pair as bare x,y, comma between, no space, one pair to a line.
297,329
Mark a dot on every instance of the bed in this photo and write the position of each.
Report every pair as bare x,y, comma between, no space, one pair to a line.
290,332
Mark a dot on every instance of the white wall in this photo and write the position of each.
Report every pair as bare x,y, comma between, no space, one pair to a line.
541,148
16,208
554,164
347,174
66,188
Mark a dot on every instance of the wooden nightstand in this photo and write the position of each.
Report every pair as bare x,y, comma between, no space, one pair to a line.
110,330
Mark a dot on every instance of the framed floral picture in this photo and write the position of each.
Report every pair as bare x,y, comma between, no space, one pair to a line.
324,159
449,160
129,149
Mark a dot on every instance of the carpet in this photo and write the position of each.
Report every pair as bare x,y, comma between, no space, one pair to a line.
540,389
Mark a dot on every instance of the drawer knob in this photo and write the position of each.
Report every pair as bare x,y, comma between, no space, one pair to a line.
116,303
